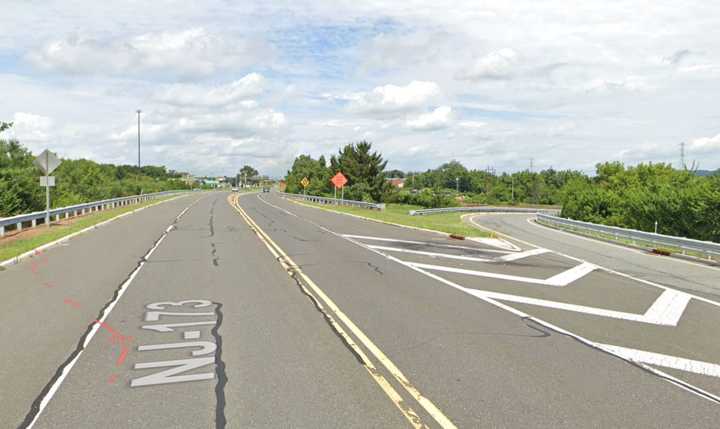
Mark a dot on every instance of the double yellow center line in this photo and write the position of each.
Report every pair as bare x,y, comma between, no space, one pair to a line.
323,301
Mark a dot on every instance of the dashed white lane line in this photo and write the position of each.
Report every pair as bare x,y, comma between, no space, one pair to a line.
432,254
665,361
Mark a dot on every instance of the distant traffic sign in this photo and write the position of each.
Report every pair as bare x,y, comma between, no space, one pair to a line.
47,161
305,182
339,180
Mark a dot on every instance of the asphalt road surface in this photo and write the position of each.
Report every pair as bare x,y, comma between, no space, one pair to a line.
215,310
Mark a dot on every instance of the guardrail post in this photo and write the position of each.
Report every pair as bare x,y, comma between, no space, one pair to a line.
2,230
19,226
34,223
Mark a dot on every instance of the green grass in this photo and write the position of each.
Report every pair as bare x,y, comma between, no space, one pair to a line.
398,213
19,246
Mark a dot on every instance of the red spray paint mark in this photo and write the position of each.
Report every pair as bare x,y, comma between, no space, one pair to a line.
72,303
117,338
39,259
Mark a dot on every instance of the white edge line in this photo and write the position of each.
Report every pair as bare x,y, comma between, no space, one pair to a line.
96,326
16,259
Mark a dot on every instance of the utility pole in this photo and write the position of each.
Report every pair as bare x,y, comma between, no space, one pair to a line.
138,128
682,155
534,181
512,189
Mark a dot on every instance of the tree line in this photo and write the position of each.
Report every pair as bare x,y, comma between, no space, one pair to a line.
77,181
681,201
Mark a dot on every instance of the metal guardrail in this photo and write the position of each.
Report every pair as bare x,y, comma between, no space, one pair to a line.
35,218
479,209
335,201
706,248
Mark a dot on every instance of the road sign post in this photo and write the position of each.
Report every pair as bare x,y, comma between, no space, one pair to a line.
339,180
48,162
305,182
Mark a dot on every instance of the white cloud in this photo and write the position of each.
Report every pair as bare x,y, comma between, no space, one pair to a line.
435,120
193,52
31,129
705,144
499,64
629,83
618,76
393,99
238,123
195,95
472,124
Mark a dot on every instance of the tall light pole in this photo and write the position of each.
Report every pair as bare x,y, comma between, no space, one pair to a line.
457,185
512,189
138,114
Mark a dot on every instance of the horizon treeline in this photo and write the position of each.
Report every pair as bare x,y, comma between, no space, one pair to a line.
681,201
77,181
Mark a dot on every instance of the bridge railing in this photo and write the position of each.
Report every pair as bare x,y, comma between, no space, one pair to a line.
334,201
707,249
479,209
17,223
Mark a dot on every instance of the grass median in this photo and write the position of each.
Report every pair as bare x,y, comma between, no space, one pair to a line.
450,223
29,239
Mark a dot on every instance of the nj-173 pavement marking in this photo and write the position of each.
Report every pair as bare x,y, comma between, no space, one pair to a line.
667,312
210,352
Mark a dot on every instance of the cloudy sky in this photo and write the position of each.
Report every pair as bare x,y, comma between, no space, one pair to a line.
494,83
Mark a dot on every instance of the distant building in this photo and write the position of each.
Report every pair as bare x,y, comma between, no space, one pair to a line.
189,179
397,182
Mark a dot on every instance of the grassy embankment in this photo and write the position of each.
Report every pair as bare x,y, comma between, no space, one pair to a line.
13,246
450,223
